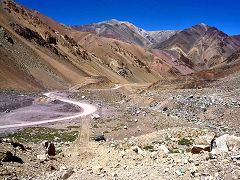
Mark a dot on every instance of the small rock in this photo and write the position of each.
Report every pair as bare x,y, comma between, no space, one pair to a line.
137,149
114,174
68,173
83,97
45,144
193,169
179,172
190,97
164,148
51,150
10,40
95,116
237,157
166,170
42,157
63,168
165,109
199,149
98,170
52,168
98,137
56,139
102,175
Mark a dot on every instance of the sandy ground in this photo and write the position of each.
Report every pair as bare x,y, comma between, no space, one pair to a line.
49,109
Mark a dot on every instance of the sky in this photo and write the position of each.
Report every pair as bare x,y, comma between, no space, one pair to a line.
147,14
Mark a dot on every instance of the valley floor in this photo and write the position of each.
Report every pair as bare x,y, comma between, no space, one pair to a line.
150,134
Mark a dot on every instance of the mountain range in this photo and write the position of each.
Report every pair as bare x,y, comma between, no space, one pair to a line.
39,53
126,32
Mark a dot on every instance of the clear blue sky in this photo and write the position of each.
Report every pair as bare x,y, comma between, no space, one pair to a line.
147,14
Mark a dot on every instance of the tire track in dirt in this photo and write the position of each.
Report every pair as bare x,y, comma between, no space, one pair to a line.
87,109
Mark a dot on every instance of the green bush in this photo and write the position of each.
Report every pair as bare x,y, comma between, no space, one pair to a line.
184,141
148,148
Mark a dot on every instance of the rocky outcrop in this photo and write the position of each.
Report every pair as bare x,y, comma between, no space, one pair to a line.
36,37
9,157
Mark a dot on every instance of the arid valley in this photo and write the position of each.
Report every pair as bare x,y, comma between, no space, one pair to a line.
110,100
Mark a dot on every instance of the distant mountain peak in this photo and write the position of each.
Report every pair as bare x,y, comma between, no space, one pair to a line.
201,28
110,21
202,24
113,21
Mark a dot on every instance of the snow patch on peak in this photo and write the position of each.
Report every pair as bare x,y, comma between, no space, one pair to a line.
203,24
114,21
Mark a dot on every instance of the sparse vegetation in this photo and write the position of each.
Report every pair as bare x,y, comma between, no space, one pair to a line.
174,151
148,148
40,134
184,141
117,128
73,127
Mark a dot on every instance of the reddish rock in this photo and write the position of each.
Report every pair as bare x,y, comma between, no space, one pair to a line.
51,150
197,150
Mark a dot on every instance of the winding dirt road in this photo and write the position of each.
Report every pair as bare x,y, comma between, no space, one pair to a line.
87,109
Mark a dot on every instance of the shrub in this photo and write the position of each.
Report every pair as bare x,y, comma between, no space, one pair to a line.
184,141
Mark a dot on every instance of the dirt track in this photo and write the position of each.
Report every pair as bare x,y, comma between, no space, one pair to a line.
86,110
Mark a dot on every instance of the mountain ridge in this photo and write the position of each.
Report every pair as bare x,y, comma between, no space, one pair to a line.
60,56
126,31
206,46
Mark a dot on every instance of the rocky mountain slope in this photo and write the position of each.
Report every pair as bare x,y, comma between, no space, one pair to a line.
40,53
126,32
162,35
59,57
236,37
198,48
203,45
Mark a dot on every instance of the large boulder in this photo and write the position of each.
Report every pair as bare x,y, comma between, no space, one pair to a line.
9,157
226,143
